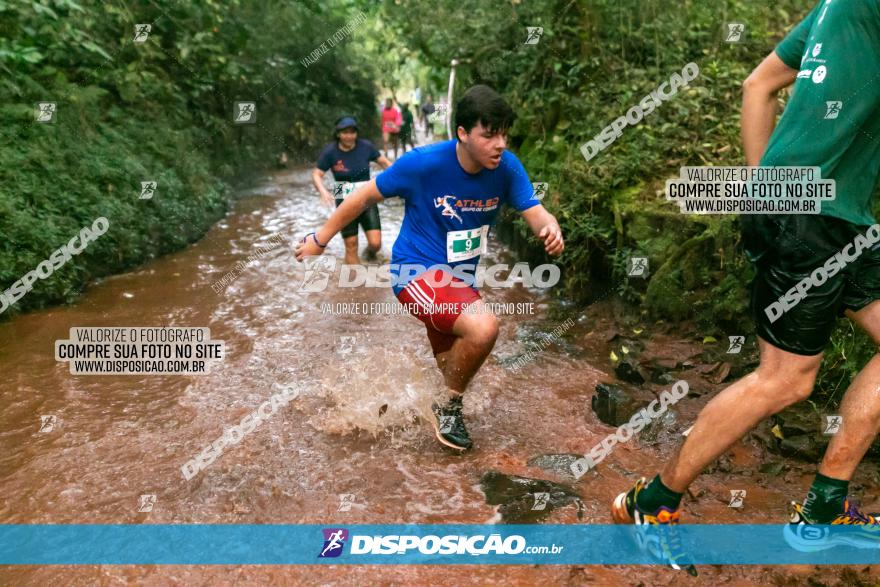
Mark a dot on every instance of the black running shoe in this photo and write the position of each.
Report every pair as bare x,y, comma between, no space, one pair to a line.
449,425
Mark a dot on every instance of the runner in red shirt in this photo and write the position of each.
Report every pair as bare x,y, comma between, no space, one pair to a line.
391,122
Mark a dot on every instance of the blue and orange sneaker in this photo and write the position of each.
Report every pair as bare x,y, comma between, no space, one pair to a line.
667,546
855,529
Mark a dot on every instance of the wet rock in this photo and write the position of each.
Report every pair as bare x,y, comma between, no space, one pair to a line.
660,368
522,500
800,427
627,370
613,405
798,420
805,447
772,469
559,464
658,428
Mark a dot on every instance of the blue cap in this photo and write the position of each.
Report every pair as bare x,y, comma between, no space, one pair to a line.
346,122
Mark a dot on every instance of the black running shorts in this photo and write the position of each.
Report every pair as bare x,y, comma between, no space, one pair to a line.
368,220
809,269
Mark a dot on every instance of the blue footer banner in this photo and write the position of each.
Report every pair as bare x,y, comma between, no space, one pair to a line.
201,544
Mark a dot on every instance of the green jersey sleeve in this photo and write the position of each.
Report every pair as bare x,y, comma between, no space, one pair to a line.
792,47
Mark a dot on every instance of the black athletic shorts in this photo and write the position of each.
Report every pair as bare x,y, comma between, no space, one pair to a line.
368,220
799,291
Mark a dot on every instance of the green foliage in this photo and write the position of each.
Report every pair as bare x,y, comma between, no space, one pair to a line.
594,61
159,110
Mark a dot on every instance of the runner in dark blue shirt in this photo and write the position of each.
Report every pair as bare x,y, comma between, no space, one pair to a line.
349,159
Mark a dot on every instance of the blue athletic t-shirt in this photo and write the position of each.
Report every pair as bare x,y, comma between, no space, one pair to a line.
448,211
351,165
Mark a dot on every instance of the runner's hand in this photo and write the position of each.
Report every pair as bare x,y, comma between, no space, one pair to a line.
307,247
552,236
327,199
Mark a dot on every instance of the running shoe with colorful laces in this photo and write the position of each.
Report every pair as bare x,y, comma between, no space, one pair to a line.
806,535
667,544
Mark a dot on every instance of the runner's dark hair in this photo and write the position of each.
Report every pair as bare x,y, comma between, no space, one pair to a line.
481,104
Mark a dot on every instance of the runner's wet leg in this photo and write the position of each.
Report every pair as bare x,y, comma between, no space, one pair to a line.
476,333
860,408
351,250
374,243
781,379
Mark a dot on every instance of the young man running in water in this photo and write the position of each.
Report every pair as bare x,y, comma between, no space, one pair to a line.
452,192
831,121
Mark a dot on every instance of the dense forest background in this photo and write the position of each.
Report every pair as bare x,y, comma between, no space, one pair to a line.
162,110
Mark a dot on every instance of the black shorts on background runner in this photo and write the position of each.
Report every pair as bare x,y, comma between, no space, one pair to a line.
788,248
368,220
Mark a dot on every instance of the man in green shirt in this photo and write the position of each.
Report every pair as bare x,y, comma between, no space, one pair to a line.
832,121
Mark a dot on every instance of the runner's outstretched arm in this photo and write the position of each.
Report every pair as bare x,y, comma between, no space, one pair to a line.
318,180
759,104
362,198
545,227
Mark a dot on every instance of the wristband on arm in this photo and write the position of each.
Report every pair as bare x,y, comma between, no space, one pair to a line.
317,242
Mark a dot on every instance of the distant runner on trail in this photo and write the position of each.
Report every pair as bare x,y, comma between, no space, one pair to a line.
832,121
391,122
427,110
452,193
348,157
407,129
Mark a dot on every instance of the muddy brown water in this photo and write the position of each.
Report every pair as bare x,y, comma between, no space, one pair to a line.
355,429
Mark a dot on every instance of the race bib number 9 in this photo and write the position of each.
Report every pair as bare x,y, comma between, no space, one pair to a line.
466,244
343,189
